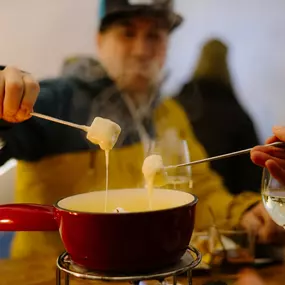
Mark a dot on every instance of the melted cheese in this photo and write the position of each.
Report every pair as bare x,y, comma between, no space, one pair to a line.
104,132
119,210
153,171
154,174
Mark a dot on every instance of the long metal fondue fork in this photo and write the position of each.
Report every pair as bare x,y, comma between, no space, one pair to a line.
221,156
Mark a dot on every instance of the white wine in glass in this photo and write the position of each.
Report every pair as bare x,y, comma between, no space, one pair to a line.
273,196
175,151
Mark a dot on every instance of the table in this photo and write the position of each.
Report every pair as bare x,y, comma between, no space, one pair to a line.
41,271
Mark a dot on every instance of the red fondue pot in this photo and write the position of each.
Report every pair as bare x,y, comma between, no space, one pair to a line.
135,241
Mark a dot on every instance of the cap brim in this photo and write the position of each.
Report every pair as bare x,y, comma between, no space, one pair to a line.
178,20
173,20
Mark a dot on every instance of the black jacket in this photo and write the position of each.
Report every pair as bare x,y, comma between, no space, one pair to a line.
222,126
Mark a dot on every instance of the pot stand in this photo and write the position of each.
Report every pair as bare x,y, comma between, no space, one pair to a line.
66,268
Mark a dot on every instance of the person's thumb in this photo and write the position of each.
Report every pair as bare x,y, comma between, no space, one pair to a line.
276,171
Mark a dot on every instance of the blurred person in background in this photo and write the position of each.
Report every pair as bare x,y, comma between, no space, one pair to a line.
56,161
219,121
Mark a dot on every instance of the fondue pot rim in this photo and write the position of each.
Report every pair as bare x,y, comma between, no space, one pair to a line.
192,203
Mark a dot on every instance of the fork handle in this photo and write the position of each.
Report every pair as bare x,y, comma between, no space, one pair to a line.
221,156
49,118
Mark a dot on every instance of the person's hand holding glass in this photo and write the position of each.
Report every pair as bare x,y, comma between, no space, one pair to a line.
272,159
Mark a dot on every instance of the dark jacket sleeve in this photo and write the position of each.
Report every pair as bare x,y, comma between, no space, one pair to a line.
250,174
28,140
222,126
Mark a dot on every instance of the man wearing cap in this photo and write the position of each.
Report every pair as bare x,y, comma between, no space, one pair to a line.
56,161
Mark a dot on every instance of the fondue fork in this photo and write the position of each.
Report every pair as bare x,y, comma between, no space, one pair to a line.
221,156
49,118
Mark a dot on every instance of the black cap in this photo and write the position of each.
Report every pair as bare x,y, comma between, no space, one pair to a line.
114,9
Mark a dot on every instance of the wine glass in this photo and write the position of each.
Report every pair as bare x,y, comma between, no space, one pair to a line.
174,151
273,196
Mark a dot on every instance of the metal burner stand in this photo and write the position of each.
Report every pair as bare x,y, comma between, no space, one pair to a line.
186,264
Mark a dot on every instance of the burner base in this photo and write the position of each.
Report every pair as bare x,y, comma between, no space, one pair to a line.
66,268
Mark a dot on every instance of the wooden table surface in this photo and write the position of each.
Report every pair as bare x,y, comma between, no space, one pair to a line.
42,272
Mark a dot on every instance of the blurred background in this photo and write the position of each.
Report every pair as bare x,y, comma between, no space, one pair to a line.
36,35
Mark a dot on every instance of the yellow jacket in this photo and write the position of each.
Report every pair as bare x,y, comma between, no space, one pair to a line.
60,176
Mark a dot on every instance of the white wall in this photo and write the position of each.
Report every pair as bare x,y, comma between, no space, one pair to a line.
37,34
255,32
